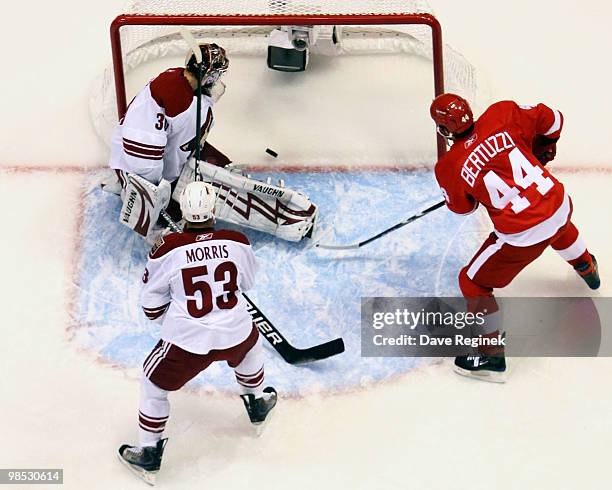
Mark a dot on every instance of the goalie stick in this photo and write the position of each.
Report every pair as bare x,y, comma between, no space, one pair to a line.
197,52
288,352
383,233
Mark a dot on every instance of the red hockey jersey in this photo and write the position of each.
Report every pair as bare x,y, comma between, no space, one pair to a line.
495,167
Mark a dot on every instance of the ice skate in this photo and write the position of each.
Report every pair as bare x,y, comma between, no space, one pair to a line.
143,461
485,368
589,273
258,409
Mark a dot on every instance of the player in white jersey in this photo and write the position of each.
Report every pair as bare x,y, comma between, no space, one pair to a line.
152,154
156,137
192,285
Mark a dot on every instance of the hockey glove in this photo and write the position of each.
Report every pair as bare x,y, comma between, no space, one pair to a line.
544,149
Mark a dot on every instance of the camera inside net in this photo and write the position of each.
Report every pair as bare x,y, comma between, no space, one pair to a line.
289,47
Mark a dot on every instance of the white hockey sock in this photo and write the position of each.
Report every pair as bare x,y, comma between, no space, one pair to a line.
251,383
153,413
250,372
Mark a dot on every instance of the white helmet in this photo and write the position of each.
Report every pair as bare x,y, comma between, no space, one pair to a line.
198,202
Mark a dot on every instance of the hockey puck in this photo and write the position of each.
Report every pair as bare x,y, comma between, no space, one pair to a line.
271,152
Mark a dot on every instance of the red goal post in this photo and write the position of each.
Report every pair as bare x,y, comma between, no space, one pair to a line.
405,19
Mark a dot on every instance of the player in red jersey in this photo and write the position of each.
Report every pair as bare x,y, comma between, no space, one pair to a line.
499,161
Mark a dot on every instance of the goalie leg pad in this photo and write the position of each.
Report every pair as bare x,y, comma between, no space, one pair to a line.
142,203
280,211
209,155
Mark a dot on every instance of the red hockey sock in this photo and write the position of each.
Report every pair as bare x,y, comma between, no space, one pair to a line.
584,258
571,247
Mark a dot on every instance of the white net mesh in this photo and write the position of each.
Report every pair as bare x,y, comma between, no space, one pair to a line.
141,44
276,7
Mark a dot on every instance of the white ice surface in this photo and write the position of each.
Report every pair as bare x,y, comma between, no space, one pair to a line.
549,427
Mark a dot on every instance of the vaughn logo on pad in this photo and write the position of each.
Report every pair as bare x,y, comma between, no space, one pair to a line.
271,191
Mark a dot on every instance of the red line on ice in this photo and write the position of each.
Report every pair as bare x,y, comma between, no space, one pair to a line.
76,169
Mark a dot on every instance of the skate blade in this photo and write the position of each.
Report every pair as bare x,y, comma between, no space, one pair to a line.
149,477
488,376
259,429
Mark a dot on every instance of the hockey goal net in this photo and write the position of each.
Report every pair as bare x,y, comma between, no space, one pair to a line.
150,29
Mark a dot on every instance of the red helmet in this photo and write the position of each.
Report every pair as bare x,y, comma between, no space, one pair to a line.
452,114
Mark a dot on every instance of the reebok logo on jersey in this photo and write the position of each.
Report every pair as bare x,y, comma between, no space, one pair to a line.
201,238
471,141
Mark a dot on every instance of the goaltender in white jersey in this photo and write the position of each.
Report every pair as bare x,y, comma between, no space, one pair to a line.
156,136
152,156
193,285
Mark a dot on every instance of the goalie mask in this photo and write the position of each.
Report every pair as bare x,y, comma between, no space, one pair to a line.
452,115
198,202
214,60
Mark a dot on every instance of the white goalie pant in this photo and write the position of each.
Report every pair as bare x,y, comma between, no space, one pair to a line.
280,211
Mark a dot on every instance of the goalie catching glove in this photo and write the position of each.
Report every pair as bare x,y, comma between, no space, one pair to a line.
279,211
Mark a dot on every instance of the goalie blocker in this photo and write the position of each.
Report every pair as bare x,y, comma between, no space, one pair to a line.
279,211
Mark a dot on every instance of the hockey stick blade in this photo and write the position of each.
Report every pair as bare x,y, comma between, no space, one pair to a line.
192,43
289,353
399,225
338,247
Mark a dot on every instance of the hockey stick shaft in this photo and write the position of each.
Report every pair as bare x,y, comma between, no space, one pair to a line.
175,228
195,47
399,225
289,353
198,143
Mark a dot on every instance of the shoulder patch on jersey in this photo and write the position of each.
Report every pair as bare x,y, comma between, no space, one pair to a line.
172,91
158,243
